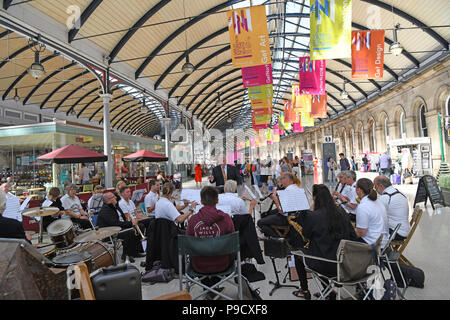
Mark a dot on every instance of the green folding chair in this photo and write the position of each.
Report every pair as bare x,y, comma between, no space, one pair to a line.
88,188
189,246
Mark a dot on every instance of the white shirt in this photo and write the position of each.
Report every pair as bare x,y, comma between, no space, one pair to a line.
397,210
350,192
236,204
277,170
12,207
150,200
371,215
72,204
177,176
264,169
165,209
127,207
85,173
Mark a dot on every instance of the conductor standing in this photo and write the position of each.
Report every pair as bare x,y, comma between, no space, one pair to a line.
222,173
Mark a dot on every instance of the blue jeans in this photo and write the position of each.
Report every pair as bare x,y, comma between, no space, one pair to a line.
386,172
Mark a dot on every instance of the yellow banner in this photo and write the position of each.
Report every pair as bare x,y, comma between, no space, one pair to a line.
249,37
261,104
306,120
300,102
330,29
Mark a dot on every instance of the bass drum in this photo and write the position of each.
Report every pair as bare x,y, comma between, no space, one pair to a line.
61,233
102,256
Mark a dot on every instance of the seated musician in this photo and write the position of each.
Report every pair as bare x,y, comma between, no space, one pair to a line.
348,195
324,226
111,215
277,217
176,178
152,197
95,202
53,200
73,209
210,222
164,207
129,208
119,185
340,186
10,228
237,205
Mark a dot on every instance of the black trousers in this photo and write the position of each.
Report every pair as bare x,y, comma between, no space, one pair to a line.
131,243
83,223
273,218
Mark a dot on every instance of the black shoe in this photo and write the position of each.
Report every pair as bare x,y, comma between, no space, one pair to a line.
139,255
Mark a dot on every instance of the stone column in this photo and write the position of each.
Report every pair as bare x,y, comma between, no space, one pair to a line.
316,142
167,142
379,139
109,164
433,133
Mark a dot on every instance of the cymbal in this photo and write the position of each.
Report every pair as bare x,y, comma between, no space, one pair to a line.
97,234
40,212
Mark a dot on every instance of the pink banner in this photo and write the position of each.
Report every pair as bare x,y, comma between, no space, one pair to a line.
312,76
296,127
257,76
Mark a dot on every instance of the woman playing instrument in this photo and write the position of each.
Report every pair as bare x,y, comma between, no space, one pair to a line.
325,226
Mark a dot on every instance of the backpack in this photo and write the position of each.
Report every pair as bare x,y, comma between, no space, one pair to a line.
157,274
249,271
253,168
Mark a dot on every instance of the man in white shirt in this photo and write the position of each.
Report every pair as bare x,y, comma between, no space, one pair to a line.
231,199
396,204
152,197
85,174
12,204
129,209
348,195
176,178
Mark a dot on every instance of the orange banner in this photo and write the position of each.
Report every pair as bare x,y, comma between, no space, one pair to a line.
290,115
261,103
319,106
249,37
367,54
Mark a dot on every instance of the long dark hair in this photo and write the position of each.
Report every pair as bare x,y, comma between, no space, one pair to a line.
366,185
324,201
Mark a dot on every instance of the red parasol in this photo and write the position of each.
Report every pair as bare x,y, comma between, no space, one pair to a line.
73,154
145,156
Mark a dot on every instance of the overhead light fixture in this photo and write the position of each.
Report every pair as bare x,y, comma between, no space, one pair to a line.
36,70
144,108
219,103
188,67
396,48
344,94
229,120
16,97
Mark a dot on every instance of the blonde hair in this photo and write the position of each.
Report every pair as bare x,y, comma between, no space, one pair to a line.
118,185
167,188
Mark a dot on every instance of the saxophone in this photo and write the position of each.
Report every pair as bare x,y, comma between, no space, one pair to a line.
299,229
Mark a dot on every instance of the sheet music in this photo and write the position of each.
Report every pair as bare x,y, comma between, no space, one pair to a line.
191,195
249,191
258,191
293,200
24,204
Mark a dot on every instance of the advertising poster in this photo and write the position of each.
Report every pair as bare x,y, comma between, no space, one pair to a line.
257,75
319,106
367,54
312,76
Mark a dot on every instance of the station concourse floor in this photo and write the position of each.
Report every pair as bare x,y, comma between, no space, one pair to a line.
428,250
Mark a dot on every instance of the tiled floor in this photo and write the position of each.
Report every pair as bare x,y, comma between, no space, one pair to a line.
428,250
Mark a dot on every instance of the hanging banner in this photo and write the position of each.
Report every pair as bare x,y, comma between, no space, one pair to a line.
367,54
259,112
249,37
306,120
276,129
319,106
300,102
261,103
252,142
276,138
260,92
312,76
263,119
297,128
257,75
290,116
282,123
330,29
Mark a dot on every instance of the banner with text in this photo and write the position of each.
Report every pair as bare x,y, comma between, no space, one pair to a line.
260,92
367,54
319,106
330,29
312,76
249,37
257,75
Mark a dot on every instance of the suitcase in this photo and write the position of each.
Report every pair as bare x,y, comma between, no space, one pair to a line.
121,282
396,179
414,276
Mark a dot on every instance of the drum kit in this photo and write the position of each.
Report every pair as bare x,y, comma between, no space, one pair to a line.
66,247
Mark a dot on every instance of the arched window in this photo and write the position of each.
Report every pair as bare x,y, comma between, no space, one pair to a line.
386,130
402,125
423,122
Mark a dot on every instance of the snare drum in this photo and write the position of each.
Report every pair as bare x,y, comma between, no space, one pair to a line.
71,258
61,233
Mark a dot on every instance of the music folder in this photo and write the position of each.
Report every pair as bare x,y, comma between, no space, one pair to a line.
293,200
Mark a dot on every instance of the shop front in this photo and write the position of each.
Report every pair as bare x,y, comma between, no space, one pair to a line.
20,146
